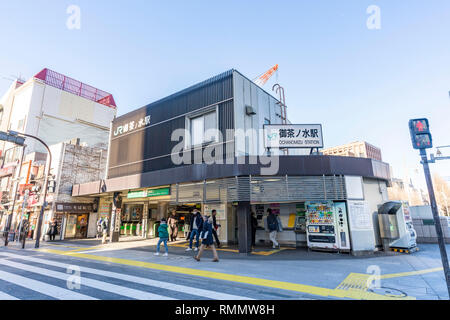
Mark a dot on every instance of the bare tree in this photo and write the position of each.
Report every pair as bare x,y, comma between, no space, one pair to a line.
442,191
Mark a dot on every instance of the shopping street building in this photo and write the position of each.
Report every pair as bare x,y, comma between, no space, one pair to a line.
324,202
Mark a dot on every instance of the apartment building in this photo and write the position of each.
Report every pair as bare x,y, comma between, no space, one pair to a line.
358,149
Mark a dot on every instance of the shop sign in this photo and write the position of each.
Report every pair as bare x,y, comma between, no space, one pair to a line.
7,171
104,208
158,192
74,207
137,194
293,136
148,193
132,126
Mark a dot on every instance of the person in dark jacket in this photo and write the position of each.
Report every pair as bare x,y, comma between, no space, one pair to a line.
207,239
273,226
104,229
163,237
195,228
173,226
254,225
215,227
53,229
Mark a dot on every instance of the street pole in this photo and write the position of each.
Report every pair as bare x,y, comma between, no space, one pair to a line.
437,221
9,218
44,201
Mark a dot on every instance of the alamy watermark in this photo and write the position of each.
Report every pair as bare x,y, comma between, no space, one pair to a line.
374,19
214,148
374,281
74,280
73,22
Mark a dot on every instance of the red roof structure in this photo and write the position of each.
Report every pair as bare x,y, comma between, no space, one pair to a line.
76,87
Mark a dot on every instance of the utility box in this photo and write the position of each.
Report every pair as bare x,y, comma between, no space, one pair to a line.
396,226
387,220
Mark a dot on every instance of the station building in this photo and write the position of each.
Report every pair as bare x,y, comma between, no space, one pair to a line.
145,177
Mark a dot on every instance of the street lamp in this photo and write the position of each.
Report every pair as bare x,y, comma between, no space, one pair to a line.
18,138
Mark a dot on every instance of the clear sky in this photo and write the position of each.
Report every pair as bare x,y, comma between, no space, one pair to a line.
360,84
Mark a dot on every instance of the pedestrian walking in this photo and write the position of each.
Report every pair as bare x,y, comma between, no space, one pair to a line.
163,237
273,227
53,229
104,229
173,225
215,227
99,227
195,227
254,225
207,239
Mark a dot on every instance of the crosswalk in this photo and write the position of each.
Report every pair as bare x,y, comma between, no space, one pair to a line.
40,276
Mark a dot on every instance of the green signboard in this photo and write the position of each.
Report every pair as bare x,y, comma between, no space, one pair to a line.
158,192
148,193
137,194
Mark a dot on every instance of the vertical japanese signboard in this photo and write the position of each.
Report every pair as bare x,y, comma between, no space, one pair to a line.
293,136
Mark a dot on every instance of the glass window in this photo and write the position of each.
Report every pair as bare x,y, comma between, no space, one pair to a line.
197,125
210,127
204,129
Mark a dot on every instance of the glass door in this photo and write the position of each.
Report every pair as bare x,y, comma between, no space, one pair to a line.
71,227
82,223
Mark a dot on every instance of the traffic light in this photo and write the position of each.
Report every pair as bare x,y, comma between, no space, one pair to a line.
420,134
12,137
51,186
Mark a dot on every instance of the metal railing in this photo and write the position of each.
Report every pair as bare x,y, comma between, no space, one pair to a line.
76,87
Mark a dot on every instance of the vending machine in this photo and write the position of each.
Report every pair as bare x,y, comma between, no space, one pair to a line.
320,225
300,226
342,230
327,226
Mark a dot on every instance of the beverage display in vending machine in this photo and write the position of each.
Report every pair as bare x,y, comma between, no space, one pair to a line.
320,225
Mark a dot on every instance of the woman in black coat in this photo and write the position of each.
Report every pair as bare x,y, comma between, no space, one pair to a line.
207,239
53,230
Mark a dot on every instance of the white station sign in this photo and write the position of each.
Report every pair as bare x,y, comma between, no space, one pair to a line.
293,136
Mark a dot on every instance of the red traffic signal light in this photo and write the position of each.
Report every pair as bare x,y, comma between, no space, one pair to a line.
421,126
420,134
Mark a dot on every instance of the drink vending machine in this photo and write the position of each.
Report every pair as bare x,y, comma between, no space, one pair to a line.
327,226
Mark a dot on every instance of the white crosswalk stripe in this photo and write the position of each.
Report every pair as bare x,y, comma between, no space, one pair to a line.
5,296
120,290
41,287
145,281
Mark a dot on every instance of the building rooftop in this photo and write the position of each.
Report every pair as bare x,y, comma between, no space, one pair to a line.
76,87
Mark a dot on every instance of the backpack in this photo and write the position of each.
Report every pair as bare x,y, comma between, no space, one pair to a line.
272,223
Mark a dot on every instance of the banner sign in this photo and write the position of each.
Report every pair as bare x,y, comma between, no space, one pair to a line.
74,207
280,136
148,193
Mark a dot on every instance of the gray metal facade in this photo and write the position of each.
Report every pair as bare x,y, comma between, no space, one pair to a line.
261,189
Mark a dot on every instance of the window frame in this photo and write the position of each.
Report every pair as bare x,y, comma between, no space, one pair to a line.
196,115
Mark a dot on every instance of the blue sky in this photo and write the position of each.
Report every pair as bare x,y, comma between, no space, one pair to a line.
360,84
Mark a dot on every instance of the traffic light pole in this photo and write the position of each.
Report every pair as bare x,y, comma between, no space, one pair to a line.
437,221
9,218
44,201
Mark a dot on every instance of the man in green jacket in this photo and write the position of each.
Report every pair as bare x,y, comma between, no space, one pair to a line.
163,237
